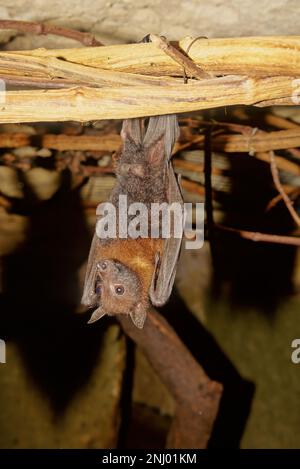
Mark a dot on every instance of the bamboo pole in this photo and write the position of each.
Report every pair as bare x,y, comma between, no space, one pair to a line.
262,141
87,104
136,80
226,142
251,56
257,143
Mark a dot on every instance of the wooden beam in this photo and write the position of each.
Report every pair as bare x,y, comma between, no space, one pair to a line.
251,56
197,397
88,104
136,80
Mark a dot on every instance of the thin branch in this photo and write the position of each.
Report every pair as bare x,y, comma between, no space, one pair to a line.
256,142
86,39
182,59
194,167
280,189
261,237
192,186
280,122
70,160
281,162
291,191
5,202
110,142
74,161
295,152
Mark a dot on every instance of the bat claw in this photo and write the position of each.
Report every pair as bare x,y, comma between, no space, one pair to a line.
146,38
138,318
97,314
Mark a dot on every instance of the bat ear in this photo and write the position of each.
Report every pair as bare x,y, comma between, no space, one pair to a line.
157,151
162,132
97,314
138,316
131,129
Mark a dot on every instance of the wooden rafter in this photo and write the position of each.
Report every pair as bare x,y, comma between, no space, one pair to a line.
116,82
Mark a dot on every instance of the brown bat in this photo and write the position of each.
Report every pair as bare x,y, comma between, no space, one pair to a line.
125,275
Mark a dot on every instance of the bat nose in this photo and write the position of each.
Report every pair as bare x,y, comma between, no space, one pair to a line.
119,266
102,266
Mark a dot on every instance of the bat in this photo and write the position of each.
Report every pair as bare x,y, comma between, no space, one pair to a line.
126,276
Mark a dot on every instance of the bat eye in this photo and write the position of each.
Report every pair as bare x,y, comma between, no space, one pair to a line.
98,287
102,265
119,289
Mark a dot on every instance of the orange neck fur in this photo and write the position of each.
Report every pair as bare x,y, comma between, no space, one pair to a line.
138,254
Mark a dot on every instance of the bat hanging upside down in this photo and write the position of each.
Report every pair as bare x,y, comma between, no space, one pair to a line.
124,276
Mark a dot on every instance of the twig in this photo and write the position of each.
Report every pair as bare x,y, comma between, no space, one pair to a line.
82,170
193,167
73,161
295,152
179,57
280,189
280,122
291,191
86,39
5,202
281,162
110,142
196,396
14,140
260,141
261,237
193,187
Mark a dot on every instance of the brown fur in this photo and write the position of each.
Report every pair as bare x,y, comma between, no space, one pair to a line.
137,254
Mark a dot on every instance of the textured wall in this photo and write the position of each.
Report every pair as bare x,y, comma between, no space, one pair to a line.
129,20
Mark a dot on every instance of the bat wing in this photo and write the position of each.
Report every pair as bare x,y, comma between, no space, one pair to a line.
89,297
166,264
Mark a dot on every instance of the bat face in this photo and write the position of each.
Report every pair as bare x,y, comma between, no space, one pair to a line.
119,291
